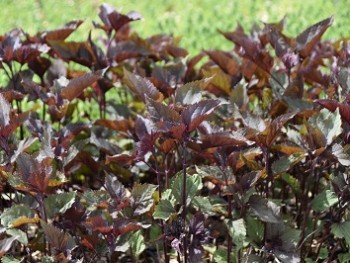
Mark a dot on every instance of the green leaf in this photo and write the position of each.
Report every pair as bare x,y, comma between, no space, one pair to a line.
122,243
211,205
344,258
193,185
324,200
164,210
10,259
48,259
239,96
143,198
21,236
237,231
59,203
255,229
342,230
329,124
220,255
137,243
344,79
92,198
291,181
15,212
285,163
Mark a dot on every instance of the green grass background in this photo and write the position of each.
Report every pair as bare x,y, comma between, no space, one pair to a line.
195,20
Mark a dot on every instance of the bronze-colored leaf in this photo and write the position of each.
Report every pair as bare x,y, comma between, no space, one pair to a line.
311,36
63,32
77,85
142,87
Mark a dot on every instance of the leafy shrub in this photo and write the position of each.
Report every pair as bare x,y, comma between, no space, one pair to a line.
142,153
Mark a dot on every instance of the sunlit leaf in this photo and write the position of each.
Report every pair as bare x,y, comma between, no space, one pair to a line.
324,200
342,230
115,188
191,92
59,203
309,37
4,112
143,198
193,185
76,86
137,243
63,32
238,231
5,244
287,162
15,212
339,152
329,124
142,87
163,210
21,236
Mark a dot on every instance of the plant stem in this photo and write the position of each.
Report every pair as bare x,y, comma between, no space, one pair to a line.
229,209
229,238
184,199
266,153
160,196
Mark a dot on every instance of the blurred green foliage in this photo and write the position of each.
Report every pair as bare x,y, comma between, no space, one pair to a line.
196,21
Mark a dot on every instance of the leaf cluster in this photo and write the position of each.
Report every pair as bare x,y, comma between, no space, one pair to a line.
124,148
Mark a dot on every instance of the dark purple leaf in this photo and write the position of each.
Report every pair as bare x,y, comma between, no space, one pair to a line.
115,188
63,32
329,104
114,19
248,180
279,42
311,36
266,210
80,52
223,139
39,65
160,112
195,114
226,62
250,48
143,127
77,85
57,238
142,87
